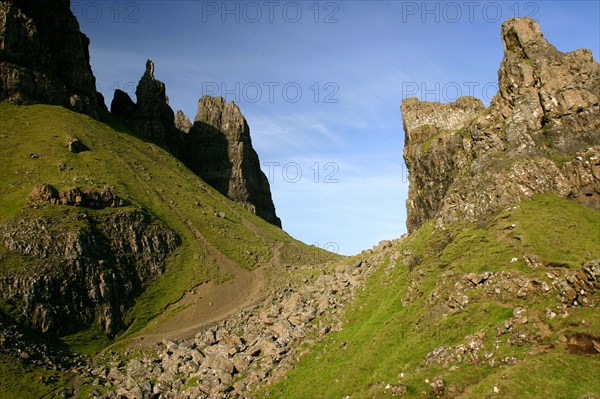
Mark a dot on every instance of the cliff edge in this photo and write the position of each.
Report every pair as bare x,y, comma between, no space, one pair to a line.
539,134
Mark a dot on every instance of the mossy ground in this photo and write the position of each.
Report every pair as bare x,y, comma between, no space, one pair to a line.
383,342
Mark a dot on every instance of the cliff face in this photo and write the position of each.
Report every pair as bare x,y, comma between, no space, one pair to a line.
217,147
220,152
539,134
44,57
83,265
152,117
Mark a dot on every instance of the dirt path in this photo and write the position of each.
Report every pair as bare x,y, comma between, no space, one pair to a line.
208,303
211,302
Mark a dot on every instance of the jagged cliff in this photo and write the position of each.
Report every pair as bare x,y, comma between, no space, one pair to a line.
44,57
219,150
73,266
217,146
539,134
79,256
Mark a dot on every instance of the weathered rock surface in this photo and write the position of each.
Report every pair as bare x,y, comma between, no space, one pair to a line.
44,57
88,198
182,122
539,134
151,117
81,267
217,147
220,152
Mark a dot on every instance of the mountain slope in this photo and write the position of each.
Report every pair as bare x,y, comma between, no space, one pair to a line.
504,308
495,291
208,229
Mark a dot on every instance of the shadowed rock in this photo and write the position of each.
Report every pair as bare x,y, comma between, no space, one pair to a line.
220,152
44,57
217,147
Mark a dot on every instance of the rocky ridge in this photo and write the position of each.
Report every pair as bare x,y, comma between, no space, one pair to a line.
44,57
539,134
217,146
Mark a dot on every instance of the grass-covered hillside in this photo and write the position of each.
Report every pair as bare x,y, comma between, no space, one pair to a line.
499,309
213,230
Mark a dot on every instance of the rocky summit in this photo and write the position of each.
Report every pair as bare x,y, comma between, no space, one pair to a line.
539,134
220,152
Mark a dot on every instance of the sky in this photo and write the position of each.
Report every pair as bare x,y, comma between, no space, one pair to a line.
320,84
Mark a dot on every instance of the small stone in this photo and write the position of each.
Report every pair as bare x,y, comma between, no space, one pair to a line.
74,145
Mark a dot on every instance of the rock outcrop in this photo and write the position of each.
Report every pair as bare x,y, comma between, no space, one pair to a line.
220,152
182,122
151,117
87,198
539,134
217,147
44,57
82,266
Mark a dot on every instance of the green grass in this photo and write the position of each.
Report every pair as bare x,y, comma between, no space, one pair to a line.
559,230
147,177
19,381
87,342
552,375
383,338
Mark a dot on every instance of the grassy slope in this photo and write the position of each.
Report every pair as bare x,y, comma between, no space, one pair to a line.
382,338
149,178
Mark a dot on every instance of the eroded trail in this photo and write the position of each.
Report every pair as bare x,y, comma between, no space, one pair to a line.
208,303
205,305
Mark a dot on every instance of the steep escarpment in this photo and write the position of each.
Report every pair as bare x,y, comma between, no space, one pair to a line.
217,146
44,57
539,134
67,264
220,151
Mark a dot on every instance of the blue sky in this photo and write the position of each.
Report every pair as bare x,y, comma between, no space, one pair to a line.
320,84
